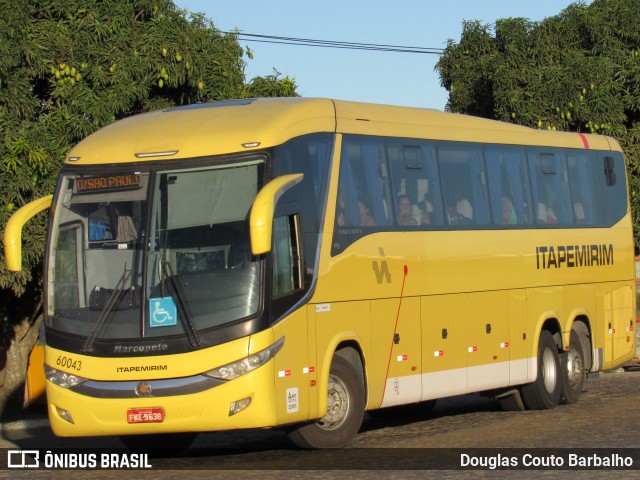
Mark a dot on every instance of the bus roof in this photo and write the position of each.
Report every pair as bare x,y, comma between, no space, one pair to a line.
243,125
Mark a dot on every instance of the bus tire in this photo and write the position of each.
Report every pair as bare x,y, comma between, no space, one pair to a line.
345,410
572,370
544,393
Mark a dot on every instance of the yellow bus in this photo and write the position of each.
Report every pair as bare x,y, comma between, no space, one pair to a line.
297,262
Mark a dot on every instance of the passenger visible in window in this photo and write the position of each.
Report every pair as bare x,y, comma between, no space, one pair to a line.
459,209
545,210
425,205
340,218
426,209
405,211
578,211
509,216
425,217
366,220
464,208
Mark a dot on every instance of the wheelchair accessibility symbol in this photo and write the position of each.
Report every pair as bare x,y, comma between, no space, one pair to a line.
162,312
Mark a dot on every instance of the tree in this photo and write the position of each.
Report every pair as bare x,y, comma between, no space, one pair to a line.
578,71
68,68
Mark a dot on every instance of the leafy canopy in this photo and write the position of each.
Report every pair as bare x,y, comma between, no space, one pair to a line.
70,67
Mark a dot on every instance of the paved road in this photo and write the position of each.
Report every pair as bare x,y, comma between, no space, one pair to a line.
607,416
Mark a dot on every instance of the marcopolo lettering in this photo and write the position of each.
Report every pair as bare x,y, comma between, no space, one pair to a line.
155,348
572,256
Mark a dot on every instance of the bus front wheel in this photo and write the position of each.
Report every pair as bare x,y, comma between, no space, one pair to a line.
544,393
345,410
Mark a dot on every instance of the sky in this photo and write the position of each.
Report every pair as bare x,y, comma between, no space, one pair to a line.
406,79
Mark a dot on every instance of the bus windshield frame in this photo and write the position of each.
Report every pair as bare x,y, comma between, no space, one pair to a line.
189,282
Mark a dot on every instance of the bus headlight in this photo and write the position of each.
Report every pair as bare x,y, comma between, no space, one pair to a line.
62,379
247,364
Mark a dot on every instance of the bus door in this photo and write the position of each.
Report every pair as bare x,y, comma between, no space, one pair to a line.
619,317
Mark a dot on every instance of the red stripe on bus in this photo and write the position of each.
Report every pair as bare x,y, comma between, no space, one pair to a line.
395,329
585,142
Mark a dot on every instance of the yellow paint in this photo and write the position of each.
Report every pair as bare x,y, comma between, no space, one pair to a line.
460,329
13,231
261,218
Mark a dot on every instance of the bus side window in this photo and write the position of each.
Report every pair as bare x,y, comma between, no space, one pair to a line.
287,262
463,184
552,198
583,190
362,190
415,185
610,171
508,185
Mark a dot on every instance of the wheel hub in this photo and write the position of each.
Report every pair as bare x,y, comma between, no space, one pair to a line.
574,367
338,402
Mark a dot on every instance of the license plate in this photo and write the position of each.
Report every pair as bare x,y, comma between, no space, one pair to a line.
145,415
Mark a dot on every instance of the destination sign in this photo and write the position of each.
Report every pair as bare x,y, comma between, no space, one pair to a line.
108,183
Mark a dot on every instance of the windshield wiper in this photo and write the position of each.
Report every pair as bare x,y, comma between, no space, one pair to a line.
114,299
183,308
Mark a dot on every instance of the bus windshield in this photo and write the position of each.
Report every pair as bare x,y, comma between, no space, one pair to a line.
166,253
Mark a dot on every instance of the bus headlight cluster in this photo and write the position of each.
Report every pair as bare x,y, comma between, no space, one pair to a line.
247,364
62,379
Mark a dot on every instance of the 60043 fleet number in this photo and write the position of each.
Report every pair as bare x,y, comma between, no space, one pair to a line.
69,362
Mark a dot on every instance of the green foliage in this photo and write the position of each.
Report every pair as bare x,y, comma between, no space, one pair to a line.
270,86
578,71
70,67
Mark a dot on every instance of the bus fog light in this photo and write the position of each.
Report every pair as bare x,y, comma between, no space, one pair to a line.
239,405
64,414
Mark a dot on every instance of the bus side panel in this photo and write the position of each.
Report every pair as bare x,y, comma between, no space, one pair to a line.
35,382
396,367
444,340
337,323
544,305
293,370
619,322
521,366
488,343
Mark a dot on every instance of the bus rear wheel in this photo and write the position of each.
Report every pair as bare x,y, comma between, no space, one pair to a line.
544,393
345,410
572,370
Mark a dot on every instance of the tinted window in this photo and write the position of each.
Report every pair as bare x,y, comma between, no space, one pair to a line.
411,184
509,191
463,184
311,156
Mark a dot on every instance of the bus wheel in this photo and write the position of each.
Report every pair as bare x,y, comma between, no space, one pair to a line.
345,410
544,393
572,371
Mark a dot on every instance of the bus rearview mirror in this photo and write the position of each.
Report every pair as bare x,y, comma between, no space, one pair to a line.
13,231
263,209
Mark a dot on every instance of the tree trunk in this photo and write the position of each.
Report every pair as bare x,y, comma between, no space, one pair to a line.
14,370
